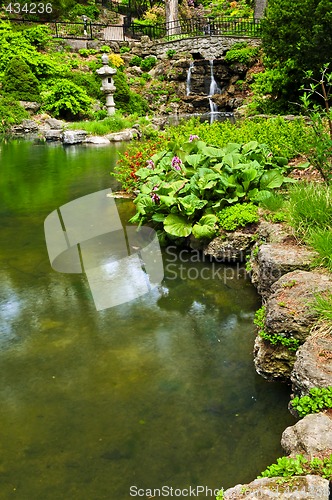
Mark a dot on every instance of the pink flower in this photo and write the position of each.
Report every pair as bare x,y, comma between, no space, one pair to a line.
193,137
150,164
176,163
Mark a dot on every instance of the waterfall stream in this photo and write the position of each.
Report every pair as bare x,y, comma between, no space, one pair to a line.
213,89
189,77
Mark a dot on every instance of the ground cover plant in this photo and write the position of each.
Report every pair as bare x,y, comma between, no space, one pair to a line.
288,467
318,399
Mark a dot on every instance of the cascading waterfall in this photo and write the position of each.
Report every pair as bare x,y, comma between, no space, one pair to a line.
214,89
189,77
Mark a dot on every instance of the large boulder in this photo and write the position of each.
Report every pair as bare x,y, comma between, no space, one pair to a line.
310,436
273,260
296,488
74,136
313,367
289,314
288,309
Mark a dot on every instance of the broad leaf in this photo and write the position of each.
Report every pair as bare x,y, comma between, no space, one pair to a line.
176,225
248,175
158,217
249,147
195,160
232,159
271,179
206,227
191,203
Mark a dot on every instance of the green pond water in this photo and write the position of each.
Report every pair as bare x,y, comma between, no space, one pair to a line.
157,391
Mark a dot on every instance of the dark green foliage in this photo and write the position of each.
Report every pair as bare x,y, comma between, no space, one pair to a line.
126,100
39,36
319,399
10,113
135,61
20,82
239,215
297,37
90,82
66,100
148,63
241,53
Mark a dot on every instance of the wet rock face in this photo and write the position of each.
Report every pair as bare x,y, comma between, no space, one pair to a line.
297,488
313,365
273,362
230,247
309,436
276,259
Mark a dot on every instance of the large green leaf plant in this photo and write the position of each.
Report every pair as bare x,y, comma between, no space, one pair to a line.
183,189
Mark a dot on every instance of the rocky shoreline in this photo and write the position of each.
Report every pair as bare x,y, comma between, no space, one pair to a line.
281,272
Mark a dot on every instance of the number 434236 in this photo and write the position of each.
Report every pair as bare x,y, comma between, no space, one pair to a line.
29,8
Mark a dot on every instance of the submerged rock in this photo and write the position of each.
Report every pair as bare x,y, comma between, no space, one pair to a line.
310,436
296,488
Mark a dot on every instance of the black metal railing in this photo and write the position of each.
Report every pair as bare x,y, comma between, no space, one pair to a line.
86,30
197,27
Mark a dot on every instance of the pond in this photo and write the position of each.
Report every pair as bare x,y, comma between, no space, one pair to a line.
159,391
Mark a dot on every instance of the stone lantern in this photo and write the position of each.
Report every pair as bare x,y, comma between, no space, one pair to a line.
107,84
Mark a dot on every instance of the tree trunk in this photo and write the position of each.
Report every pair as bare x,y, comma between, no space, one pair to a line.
172,18
260,6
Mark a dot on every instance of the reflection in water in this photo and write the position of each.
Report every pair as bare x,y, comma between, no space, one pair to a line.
159,390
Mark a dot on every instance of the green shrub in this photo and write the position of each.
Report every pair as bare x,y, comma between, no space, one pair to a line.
319,398
170,53
20,82
66,100
124,49
105,49
11,113
241,53
126,100
148,63
135,61
84,52
39,36
239,215
90,82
